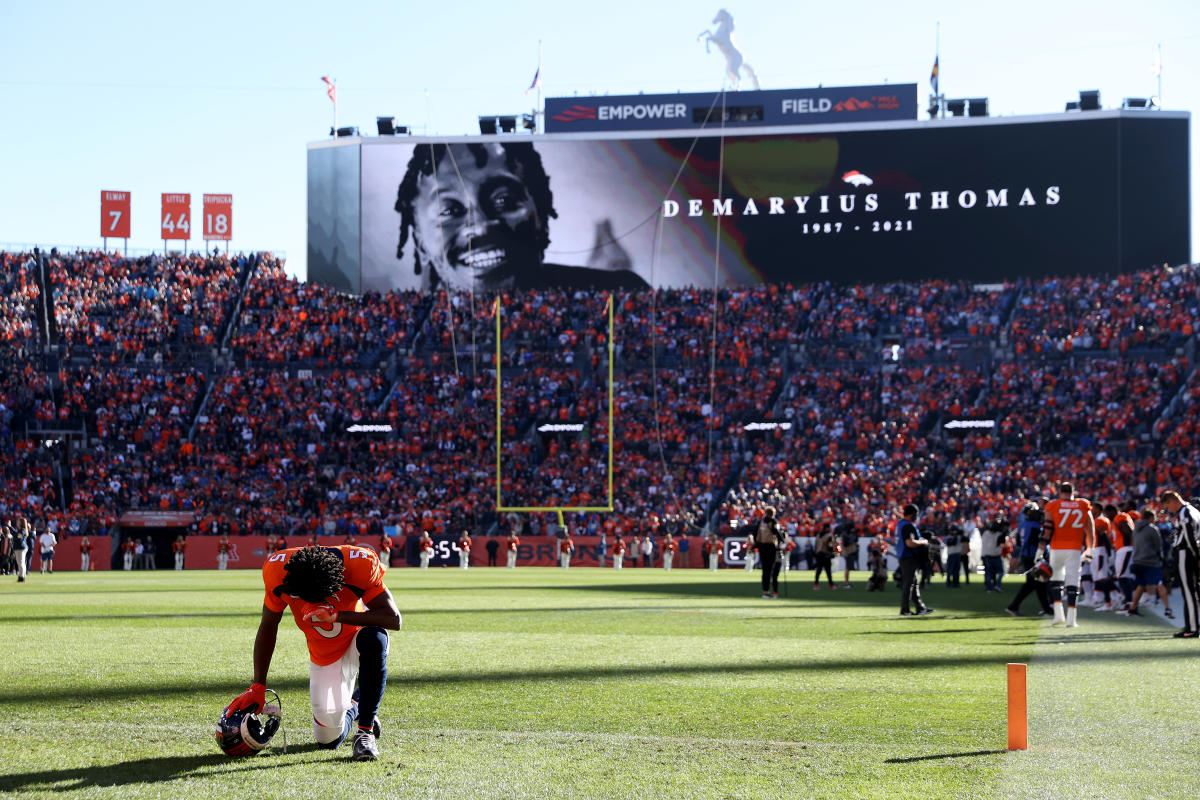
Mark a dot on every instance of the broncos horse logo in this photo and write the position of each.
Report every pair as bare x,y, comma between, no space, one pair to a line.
856,178
722,37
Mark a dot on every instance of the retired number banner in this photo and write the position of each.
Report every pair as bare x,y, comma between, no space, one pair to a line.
218,217
176,216
114,215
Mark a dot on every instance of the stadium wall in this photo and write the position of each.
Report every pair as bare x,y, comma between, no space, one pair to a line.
67,556
983,199
249,552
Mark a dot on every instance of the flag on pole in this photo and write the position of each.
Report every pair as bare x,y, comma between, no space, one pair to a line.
933,75
536,83
331,88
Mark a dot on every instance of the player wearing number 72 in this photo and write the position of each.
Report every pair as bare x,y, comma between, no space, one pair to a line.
338,599
1072,538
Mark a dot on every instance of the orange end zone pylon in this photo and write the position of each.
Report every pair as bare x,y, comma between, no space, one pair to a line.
1018,716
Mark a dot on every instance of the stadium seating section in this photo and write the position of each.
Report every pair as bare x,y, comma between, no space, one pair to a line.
222,386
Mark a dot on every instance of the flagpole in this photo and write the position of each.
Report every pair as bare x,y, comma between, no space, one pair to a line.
1158,69
335,107
537,111
937,74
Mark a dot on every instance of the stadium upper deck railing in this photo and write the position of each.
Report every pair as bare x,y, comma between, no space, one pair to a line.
132,252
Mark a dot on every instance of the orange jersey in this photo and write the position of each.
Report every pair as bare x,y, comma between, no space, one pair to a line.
385,543
670,545
1103,529
464,543
223,546
85,546
1114,534
513,542
711,547
619,547
1070,518
327,641
179,547
565,546
426,544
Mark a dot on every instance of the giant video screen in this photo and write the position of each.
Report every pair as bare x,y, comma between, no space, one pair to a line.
954,199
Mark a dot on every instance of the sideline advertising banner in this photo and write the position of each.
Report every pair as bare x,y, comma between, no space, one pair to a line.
660,112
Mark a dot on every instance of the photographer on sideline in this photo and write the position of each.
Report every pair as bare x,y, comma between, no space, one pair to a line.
768,539
910,544
1029,531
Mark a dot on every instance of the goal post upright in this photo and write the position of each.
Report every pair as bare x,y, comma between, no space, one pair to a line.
500,507
497,314
611,429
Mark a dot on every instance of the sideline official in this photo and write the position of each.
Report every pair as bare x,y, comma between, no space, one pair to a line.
1186,520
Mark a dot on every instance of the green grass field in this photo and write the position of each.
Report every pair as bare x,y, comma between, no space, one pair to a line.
539,683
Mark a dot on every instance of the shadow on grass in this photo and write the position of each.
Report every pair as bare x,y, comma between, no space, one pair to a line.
938,596
414,612
121,589
180,615
148,771
1157,634
926,631
567,674
941,756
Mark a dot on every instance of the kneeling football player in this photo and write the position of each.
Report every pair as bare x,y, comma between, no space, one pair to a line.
338,599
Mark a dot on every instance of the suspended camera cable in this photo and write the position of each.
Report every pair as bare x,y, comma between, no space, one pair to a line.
657,244
470,246
437,191
712,362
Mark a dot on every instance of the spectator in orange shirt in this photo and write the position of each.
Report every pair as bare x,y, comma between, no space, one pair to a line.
129,547
712,548
385,550
223,548
179,547
669,546
464,550
511,545
566,546
425,549
618,552
85,554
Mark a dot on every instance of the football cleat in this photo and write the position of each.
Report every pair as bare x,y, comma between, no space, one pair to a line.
365,748
247,731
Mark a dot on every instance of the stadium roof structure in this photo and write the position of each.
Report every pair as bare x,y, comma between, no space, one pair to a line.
765,130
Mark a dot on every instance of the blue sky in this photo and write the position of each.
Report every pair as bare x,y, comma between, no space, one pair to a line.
222,97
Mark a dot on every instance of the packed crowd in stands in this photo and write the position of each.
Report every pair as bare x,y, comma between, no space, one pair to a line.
116,309
1087,378
286,322
1143,310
